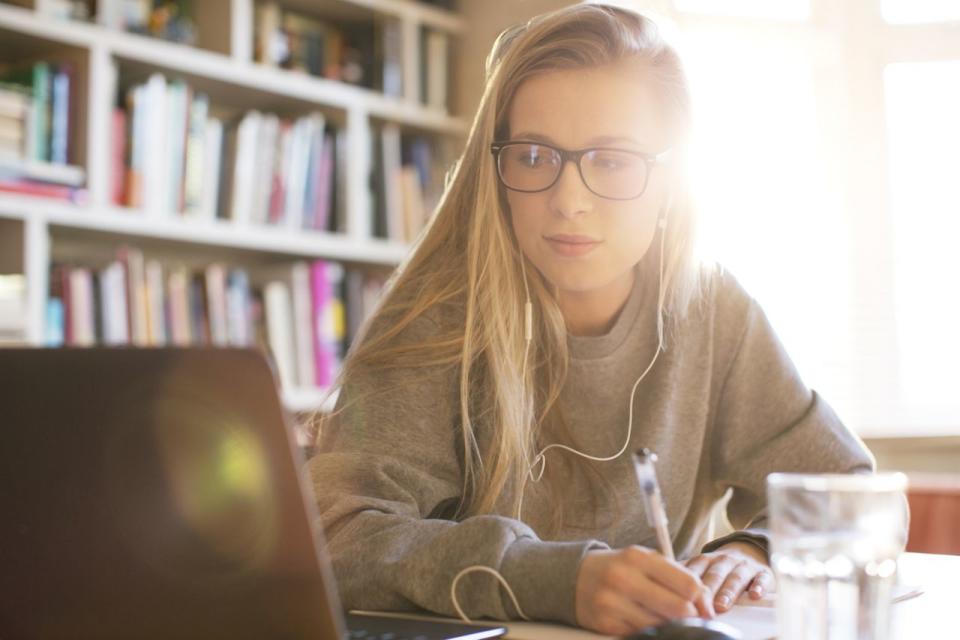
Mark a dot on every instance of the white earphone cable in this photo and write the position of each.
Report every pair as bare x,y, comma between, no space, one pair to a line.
540,458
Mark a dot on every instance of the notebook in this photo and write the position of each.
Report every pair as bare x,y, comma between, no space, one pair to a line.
158,493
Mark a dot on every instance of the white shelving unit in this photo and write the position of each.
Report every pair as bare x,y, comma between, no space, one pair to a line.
227,70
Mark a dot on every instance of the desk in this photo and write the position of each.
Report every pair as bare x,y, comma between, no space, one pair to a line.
931,615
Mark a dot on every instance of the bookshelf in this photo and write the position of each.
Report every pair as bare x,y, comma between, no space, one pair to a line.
39,232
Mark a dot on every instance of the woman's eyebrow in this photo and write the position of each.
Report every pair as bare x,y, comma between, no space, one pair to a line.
597,141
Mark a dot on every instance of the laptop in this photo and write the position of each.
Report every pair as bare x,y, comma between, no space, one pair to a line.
159,493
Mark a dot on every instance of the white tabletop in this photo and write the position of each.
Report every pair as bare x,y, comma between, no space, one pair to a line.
930,615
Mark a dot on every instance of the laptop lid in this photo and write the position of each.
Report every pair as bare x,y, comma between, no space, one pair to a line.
154,494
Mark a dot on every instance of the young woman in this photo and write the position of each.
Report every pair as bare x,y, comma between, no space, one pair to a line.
551,321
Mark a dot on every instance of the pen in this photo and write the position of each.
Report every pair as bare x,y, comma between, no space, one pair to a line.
652,499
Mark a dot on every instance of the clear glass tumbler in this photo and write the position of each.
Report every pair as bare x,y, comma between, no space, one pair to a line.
835,543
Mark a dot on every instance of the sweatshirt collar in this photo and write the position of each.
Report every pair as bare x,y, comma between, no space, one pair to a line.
592,347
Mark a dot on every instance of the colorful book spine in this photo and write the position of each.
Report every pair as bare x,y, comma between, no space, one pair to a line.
279,318
195,162
321,294
118,145
60,115
54,330
39,138
302,323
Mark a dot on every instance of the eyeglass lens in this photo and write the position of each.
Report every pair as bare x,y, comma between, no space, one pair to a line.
607,172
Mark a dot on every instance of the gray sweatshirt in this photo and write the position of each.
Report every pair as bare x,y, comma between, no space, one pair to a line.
722,407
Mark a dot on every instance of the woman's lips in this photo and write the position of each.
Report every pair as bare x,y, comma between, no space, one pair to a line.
570,245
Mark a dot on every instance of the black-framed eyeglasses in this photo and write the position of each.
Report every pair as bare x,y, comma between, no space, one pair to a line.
615,174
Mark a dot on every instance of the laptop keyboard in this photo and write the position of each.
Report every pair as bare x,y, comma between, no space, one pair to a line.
362,634
363,627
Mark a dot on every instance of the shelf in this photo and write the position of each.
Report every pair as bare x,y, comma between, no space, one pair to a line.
218,233
218,68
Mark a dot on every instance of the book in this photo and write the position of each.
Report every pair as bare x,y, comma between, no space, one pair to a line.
178,296
245,166
38,140
137,304
156,163
40,189
212,173
338,201
216,283
113,302
135,152
392,194
174,146
195,163
199,311
60,126
326,281
118,158
321,295
240,331
156,303
54,331
322,196
303,320
437,56
279,323
268,189
388,56
80,306
13,304
41,173
414,216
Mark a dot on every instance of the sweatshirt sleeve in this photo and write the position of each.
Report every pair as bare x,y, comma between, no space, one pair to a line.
767,421
382,474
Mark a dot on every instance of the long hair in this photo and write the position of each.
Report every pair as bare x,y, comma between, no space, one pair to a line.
466,265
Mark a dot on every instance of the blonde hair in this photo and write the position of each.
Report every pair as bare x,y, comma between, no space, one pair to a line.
467,263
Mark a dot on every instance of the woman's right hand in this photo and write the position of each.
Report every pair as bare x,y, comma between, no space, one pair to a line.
621,591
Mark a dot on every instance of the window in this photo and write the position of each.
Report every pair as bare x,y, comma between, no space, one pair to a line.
923,115
828,154
769,214
915,11
771,9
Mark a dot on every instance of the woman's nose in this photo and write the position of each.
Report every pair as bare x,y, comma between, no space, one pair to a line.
569,195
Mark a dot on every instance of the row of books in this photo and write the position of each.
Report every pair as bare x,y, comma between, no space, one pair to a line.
407,180
305,315
172,156
36,111
366,53
167,19
334,50
36,126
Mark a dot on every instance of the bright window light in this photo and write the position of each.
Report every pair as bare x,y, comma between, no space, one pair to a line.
914,11
923,103
768,209
769,9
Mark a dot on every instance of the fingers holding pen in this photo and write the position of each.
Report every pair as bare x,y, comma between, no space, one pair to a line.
638,587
